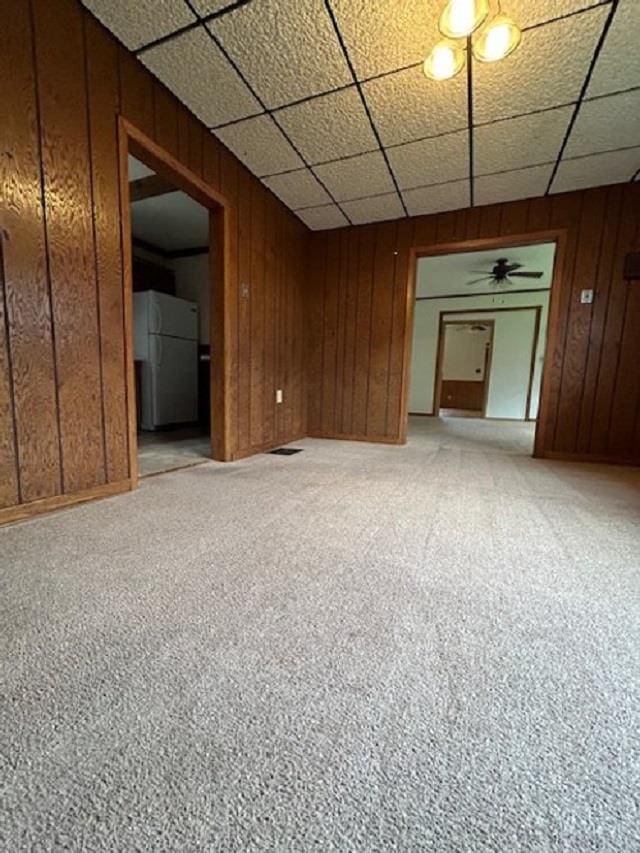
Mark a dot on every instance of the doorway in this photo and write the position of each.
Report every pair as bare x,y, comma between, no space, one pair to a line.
173,230
480,321
464,367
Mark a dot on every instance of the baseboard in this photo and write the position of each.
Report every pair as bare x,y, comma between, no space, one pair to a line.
560,456
29,510
371,439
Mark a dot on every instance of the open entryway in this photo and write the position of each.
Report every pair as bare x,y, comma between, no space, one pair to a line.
173,235
479,339
171,307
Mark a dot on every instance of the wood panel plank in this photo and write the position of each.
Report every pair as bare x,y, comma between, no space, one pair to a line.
579,323
381,325
329,337
9,482
602,287
244,308
196,143
350,338
343,289
103,105
316,270
404,242
257,300
363,329
564,210
136,92
26,290
68,203
270,379
514,217
614,328
165,119
229,185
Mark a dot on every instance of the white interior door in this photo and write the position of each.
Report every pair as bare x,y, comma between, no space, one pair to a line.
175,380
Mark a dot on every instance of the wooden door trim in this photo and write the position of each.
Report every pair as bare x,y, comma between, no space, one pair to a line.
557,236
134,141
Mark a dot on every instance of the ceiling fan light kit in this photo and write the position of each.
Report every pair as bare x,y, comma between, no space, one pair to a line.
460,18
495,37
445,60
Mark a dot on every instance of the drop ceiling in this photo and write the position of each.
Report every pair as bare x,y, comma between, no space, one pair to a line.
325,100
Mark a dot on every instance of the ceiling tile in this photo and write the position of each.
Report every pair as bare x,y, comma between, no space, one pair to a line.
509,186
356,177
138,22
618,66
431,161
597,170
547,70
199,75
386,35
260,145
407,105
329,127
518,142
207,7
605,124
453,196
530,13
374,209
318,218
286,51
298,189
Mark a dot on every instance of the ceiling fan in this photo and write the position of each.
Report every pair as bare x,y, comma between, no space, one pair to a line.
503,272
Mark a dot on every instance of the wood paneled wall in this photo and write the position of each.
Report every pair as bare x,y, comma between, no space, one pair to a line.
63,407
357,321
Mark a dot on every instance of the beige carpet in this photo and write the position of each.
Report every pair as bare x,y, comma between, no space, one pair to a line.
357,648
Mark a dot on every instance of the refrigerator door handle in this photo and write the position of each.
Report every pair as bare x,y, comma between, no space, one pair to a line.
158,340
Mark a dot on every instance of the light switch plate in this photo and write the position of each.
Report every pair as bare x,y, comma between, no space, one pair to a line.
586,297
279,395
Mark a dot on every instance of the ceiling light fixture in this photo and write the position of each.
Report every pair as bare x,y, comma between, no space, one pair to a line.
445,61
490,40
498,39
460,18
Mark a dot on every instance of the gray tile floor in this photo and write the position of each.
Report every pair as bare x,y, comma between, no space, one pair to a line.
166,450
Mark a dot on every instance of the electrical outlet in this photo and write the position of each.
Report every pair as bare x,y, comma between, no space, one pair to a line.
279,395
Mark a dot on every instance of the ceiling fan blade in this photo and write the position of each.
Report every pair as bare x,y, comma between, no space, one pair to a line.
478,280
481,272
510,267
527,274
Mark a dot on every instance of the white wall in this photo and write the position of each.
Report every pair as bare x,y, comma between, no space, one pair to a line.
463,354
513,338
192,282
507,341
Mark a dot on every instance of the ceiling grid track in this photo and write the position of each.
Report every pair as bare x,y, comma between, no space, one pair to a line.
263,106
558,176
583,92
364,101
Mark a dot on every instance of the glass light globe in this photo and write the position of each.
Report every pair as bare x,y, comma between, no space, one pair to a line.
460,18
500,37
445,61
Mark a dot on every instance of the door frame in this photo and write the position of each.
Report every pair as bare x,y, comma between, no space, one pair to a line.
530,238
133,141
437,387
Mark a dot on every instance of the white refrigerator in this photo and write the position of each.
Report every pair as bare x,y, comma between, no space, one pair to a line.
166,342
